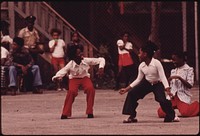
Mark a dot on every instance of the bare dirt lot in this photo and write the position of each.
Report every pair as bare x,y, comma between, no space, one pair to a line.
39,114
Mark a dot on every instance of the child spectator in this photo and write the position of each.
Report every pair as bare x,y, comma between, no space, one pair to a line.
57,48
126,65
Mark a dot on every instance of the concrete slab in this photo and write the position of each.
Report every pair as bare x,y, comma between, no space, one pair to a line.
39,114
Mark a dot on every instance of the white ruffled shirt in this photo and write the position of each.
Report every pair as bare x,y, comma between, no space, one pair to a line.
177,87
81,70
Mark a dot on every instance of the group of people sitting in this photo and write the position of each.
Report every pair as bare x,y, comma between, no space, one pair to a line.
19,57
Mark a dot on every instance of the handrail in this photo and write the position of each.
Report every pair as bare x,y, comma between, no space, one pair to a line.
83,37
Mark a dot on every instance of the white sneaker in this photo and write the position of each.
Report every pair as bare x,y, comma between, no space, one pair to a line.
176,119
59,89
64,89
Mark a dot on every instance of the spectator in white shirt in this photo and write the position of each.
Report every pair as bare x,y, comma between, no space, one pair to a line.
126,66
77,68
6,41
57,48
4,69
151,78
4,55
181,81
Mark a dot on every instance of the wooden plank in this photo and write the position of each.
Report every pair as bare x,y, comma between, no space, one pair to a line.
11,16
27,8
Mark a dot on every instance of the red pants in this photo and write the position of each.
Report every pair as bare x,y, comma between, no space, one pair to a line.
186,110
73,92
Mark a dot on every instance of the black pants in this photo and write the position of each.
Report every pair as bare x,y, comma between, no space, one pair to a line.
140,91
128,74
28,79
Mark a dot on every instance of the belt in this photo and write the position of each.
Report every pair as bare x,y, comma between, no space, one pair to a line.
154,82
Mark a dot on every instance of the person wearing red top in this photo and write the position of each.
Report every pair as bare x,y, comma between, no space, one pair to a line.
126,65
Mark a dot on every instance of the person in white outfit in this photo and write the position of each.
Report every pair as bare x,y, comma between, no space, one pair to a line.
57,49
77,68
181,81
151,78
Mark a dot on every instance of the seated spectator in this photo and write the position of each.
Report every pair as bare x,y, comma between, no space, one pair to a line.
6,41
22,62
181,81
4,55
4,68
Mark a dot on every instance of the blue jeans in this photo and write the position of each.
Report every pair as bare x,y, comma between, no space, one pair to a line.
36,75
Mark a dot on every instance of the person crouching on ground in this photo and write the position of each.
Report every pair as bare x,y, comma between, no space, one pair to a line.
151,78
181,81
77,68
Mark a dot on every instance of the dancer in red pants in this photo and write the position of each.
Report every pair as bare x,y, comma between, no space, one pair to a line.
181,81
77,68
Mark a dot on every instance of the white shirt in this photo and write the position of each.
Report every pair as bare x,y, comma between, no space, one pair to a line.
80,71
153,72
127,46
6,38
4,53
187,73
58,50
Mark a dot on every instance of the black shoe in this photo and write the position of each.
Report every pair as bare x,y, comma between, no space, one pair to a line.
64,117
90,116
36,90
116,88
13,90
130,120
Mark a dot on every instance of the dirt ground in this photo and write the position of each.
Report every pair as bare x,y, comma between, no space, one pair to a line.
39,114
